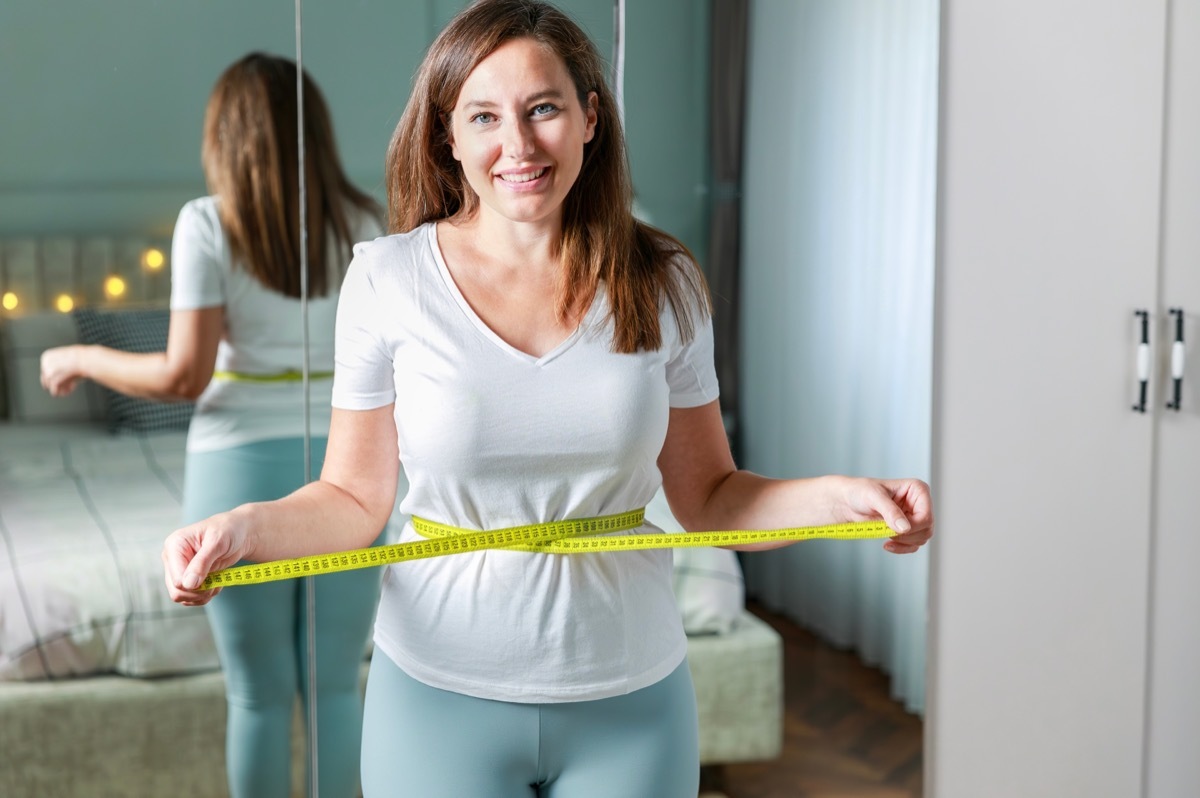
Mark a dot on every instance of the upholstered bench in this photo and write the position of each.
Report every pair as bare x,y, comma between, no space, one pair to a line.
118,736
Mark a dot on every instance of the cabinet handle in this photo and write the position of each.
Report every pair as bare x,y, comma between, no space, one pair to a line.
1143,360
1177,353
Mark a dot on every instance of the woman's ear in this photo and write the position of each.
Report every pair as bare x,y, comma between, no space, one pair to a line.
591,114
446,122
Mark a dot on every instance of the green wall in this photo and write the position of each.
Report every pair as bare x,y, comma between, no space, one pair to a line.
103,102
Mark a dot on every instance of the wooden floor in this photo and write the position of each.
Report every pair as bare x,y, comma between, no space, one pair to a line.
843,736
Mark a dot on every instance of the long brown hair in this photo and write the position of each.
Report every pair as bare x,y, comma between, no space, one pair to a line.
251,155
601,240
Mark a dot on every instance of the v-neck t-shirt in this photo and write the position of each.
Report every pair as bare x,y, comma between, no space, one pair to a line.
491,437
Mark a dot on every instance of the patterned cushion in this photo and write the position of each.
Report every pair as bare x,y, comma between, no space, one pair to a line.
133,331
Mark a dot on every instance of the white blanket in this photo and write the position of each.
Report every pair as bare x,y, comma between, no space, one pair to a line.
83,515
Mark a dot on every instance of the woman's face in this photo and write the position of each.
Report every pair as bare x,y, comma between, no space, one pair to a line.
518,129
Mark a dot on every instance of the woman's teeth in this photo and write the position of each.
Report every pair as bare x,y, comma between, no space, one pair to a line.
523,177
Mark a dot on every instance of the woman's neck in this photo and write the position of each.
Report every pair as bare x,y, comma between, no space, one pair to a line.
517,245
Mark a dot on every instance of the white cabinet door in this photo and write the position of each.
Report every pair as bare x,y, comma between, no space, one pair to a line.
1049,197
1173,728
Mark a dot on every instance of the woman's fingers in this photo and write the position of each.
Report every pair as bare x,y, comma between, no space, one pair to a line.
895,547
910,499
58,374
191,554
176,560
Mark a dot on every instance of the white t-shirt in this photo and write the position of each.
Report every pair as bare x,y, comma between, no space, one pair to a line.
491,437
263,335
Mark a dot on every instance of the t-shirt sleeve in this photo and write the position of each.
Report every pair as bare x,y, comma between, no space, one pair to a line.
363,373
691,371
196,274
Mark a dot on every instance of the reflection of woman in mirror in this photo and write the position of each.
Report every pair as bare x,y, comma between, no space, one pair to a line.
236,346
531,353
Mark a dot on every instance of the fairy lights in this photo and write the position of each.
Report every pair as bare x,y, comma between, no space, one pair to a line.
60,279
153,259
114,287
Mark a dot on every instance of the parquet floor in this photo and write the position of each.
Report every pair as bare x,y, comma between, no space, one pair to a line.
844,737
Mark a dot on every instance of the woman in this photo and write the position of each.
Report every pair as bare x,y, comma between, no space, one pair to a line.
531,353
235,346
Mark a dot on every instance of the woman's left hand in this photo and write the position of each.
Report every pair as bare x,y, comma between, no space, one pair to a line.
60,369
904,504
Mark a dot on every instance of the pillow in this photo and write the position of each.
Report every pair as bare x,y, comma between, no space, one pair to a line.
707,580
133,331
22,341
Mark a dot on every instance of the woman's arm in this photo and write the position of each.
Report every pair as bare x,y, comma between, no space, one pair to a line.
179,374
345,509
705,490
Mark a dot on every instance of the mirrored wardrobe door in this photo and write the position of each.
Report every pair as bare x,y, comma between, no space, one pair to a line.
106,686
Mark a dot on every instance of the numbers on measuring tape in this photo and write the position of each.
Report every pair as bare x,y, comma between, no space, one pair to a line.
574,536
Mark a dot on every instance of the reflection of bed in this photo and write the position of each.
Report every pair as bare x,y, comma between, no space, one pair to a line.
83,514
107,688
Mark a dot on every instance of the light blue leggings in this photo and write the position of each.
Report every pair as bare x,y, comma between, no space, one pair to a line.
261,633
422,741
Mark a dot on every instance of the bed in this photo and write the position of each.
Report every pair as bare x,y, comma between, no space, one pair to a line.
107,687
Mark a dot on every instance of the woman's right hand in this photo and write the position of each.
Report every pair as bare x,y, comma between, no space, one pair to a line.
60,369
193,552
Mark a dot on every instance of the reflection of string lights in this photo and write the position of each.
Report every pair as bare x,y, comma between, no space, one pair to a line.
66,296
114,287
153,259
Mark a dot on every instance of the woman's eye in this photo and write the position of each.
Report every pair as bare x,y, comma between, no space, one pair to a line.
544,109
483,118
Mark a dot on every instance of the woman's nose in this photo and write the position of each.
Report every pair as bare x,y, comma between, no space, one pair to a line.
518,140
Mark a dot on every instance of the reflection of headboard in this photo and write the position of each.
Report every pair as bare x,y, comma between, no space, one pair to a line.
37,271
41,281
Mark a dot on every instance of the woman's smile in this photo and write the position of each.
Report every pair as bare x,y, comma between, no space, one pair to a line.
524,180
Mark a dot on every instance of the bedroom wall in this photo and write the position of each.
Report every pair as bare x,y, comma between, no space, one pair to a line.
103,111
102,118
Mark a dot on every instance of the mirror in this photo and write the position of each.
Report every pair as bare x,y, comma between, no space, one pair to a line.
102,130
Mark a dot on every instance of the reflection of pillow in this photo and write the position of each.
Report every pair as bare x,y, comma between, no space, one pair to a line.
707,581
133,331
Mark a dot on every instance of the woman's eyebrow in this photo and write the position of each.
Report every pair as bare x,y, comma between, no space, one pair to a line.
545,94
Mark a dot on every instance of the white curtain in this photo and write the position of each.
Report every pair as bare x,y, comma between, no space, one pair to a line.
837,283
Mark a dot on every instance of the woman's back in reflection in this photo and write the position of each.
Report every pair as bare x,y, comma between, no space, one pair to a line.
239,334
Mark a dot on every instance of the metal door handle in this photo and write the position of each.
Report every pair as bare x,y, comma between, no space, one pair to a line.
1177,358
1143,360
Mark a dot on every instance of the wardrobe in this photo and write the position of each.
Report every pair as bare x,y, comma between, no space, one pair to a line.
1065,575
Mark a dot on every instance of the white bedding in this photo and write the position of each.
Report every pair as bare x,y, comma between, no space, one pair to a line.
82,518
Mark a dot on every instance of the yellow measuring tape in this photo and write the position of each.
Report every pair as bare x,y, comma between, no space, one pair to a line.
556,537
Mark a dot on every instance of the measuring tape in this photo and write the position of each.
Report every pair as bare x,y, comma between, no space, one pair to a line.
576,536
